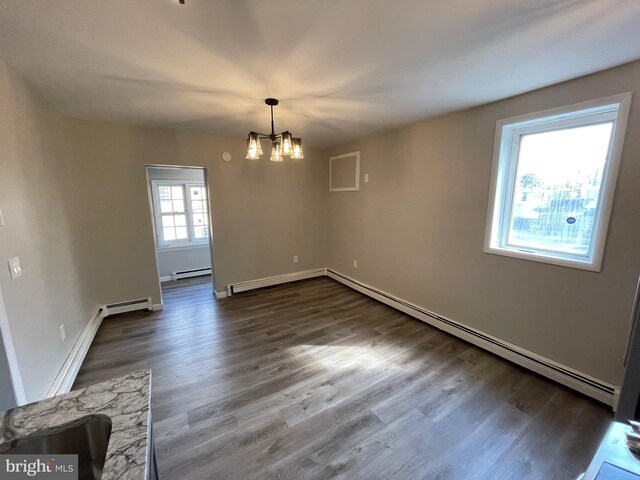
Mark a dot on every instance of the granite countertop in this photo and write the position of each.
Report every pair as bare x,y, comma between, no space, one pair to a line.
125,400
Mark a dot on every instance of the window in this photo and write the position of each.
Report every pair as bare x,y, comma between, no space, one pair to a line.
552,184
181,214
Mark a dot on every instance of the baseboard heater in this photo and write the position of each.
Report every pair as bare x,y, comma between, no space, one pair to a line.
275,280
581,382
67,374
196,272
130,306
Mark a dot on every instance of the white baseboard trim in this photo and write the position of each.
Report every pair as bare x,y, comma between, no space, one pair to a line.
572,378
129,306
275,280
586,384
168,278
67,375
157,307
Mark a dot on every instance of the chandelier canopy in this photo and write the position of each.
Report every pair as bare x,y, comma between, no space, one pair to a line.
282,144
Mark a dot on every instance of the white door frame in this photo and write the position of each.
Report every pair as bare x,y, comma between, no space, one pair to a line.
12,359
205,174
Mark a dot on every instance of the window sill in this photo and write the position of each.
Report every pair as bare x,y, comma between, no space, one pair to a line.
166,248
594,266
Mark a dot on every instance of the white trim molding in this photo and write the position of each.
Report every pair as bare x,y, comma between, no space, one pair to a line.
275,280
506,157
563,374
71,366
12,358
572,378
356,179
69,371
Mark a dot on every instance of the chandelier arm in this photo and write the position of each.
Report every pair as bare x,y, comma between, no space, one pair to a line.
269,135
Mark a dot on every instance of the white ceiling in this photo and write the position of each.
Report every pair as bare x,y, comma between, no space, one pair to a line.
341,68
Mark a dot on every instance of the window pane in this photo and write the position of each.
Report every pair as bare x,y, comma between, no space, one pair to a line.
169,233
201,232
198,219
165,206
178,205
198,193
181,233
198,207
176,192
164,192
181,220
557,186
167,221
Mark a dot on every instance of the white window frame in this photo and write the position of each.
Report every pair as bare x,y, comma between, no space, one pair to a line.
157,215
506,151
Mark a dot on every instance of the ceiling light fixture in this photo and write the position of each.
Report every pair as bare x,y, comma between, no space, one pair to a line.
282,144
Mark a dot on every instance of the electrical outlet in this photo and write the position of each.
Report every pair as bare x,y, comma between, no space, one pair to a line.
63,334
295,259
355,264
15,270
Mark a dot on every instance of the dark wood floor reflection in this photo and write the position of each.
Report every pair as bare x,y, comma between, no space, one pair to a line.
314,380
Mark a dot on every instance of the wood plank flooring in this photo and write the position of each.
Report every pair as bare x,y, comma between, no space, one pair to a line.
314,380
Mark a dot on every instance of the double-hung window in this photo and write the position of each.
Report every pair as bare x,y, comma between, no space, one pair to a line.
181,213
553,178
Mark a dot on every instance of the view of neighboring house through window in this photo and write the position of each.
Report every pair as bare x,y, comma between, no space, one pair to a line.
553,183
181,214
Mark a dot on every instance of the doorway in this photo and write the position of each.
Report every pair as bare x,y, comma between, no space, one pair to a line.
180,208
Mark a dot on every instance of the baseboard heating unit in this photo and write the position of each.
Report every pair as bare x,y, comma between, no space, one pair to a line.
130,306
67,374
593,387
276,280
196,272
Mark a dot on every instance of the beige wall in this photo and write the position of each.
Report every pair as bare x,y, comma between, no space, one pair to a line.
74,198
263,213
38,201
181,259
417,230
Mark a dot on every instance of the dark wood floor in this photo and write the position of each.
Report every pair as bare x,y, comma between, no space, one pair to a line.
314,380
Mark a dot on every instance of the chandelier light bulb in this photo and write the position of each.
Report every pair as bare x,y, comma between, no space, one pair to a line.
276,152
296,149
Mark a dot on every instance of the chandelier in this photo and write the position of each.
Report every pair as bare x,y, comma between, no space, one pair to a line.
282,144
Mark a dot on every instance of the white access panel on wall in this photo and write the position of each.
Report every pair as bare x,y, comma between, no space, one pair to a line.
344,172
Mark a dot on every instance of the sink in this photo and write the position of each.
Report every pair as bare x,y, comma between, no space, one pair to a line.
87,437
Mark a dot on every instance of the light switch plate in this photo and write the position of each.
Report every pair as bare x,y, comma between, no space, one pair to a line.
1,219
15,270
366,178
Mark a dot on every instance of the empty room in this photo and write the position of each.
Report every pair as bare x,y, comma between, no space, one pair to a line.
298,239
